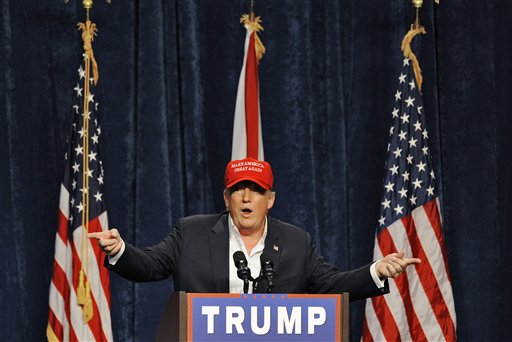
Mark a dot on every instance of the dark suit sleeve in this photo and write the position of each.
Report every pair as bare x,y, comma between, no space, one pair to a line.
325,278
151,263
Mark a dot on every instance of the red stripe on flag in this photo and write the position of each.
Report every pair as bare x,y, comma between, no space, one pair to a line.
62,229
367,336
434,217
95,322
385,242
251,100
76,269
77,266
402,283
59,280
56,325
95,226
428,281
72,335
386,319
61,283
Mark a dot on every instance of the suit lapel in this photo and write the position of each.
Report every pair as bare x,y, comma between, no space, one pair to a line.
273,245
219,251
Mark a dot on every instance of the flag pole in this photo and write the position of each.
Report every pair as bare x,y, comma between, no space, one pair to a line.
418,4
87,5
84,296
251,13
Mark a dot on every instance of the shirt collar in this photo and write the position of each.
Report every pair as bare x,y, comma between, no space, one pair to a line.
234,233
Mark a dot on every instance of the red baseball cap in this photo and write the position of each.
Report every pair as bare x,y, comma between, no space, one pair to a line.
257,171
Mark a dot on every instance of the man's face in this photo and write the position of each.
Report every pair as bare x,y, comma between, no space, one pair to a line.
248,204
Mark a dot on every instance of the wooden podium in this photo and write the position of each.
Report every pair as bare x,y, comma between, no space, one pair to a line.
251,317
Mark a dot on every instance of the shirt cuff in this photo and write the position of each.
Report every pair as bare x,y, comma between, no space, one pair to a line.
380,283
113,259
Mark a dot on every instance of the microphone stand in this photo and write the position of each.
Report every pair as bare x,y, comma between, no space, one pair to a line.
267,269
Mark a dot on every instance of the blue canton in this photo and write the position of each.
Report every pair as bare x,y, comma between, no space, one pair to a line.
409,179
73,175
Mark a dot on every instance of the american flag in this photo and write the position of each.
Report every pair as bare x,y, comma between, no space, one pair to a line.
81,191
420,304
247,136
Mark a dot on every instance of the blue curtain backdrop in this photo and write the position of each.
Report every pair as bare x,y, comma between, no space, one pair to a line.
168,77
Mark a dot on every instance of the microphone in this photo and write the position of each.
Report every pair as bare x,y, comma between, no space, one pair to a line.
243,271
267,270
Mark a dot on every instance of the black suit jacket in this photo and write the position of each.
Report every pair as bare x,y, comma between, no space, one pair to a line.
196,254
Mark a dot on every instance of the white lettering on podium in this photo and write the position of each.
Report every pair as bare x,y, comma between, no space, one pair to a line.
210,312
288,323
235,316
291,323
266,320
316,316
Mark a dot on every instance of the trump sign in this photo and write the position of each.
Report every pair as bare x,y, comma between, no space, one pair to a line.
269,317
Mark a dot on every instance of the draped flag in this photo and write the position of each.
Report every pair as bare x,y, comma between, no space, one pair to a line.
247,137
420,304
79,291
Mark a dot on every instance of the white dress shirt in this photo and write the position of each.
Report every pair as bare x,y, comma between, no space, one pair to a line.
236,285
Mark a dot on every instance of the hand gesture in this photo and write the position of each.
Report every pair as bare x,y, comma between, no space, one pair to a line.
392,265
110,241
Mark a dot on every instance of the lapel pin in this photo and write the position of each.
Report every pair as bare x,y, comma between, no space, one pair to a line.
276,248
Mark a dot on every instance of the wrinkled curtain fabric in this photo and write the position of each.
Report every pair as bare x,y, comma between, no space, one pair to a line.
167,88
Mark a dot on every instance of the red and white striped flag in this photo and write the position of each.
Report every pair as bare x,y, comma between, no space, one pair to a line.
247,137
420,304
79,291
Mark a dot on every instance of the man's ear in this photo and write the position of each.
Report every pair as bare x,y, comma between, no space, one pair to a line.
226,198
271,199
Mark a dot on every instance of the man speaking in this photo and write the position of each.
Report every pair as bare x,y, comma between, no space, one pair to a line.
244,250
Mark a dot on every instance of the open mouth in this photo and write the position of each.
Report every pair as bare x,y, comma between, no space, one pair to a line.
246,211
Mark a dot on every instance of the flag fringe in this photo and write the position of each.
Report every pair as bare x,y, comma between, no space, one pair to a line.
80,291
50,334
254,26
406,48
88,32
87,311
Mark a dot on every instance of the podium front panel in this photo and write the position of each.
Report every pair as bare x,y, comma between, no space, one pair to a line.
269,317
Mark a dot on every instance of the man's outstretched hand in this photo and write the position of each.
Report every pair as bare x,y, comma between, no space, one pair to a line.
392,265
109,241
